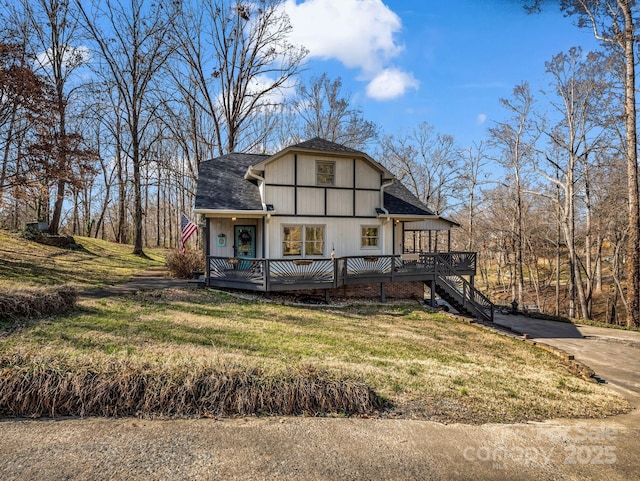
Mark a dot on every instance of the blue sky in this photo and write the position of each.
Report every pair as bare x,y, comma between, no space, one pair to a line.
444,62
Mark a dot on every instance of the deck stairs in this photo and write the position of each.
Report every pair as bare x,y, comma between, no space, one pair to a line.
460,293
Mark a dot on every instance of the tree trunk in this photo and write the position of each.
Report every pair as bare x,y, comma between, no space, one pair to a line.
633,247
137,192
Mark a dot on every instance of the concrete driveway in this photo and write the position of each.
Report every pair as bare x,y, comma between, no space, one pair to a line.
614,354
358,449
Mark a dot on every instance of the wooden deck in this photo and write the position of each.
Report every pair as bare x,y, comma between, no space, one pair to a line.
446,270
325,273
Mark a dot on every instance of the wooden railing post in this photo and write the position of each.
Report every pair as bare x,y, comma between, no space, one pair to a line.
464,295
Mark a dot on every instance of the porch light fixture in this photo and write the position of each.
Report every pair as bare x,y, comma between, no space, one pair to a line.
233,219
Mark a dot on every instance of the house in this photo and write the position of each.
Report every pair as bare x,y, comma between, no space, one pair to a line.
319,215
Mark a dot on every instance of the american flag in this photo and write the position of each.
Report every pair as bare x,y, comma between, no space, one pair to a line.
188,228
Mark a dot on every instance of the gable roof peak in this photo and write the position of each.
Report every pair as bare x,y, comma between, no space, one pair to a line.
318,143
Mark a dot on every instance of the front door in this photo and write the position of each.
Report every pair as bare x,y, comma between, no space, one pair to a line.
245,241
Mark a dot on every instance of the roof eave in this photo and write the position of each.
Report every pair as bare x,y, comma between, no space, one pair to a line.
233,213
409,217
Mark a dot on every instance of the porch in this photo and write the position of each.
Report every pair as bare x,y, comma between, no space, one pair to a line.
325,273
443,272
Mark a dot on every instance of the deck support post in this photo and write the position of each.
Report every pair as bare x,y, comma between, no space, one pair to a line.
383,297
432,287
326,296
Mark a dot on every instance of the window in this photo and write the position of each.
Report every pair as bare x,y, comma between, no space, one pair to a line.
370,237
302,240
325,172
292,240
314,240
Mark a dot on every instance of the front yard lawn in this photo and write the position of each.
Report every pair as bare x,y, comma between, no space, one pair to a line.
425,365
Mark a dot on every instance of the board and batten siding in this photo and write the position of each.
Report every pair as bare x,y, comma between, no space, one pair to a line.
307,169
226,226
282,198
311,201
280,171
290,186
344,234
366,202
366,176
339,202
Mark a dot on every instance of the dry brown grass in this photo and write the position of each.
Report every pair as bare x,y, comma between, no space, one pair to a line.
42,387
426,366
34,303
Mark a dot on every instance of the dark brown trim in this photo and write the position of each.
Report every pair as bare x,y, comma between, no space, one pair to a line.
325,202
295,184
327,216
353,193
264,237
393,237
363,189
207,237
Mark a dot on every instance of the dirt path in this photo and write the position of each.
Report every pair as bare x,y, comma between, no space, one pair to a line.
358,449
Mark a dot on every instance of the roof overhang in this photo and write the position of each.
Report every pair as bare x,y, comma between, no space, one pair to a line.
408,217
430,223
227,214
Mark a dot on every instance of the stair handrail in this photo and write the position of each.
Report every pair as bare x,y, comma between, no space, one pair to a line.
477,300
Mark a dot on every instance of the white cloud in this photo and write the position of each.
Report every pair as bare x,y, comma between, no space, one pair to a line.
73,57
358,33
391,83
481,119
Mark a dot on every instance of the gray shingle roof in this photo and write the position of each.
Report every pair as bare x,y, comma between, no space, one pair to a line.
399,200
325,146
221,183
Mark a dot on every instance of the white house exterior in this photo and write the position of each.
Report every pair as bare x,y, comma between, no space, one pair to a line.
307,201
316,214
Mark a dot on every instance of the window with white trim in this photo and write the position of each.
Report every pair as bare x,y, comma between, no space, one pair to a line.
325,173
370,237
302,240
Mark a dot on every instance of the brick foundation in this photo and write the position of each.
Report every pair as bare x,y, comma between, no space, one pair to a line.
392,290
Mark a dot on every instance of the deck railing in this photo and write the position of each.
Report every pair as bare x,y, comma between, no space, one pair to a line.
461,262
280,274
462,290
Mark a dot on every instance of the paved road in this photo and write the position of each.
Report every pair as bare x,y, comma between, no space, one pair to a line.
358,449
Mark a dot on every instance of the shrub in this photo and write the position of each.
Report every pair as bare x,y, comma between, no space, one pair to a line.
32,233
32,303
183,264
52,387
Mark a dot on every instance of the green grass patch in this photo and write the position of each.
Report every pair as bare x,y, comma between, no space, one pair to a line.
97,263
426,365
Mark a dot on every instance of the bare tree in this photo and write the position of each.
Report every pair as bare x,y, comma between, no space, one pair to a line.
240,61
426,162
514,140
55,30
577,89
133,50
327,113
612,22
472,176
